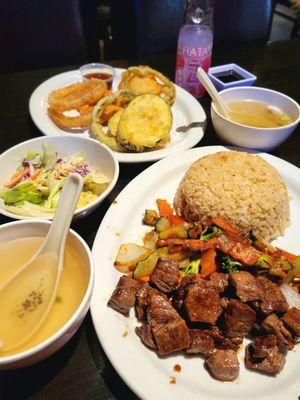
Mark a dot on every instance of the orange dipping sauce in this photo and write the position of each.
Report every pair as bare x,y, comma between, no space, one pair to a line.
105,76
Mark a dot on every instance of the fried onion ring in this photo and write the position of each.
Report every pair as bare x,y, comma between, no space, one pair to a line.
64,121
77,95
143,80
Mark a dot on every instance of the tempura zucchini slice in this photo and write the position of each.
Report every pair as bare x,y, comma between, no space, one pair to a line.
145,123
113,123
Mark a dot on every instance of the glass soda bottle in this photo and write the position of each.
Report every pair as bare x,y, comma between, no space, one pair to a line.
194,45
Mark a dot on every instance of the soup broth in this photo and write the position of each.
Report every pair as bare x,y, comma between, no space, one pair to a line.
259,114
72,287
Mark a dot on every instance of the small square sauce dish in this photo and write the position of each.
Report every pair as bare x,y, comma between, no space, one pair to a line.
230,75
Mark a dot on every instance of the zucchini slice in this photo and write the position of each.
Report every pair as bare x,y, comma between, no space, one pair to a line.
145,123
150,217
162,224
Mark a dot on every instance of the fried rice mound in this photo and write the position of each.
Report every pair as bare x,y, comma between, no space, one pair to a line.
244,188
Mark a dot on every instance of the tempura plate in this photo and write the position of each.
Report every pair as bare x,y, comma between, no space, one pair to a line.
186,110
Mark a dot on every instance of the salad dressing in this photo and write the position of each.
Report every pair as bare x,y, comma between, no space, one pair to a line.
72,287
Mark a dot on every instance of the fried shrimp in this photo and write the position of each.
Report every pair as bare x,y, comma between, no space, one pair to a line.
144,80
77,95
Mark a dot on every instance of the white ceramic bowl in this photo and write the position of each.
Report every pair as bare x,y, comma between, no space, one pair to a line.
97,155
21,229
251,137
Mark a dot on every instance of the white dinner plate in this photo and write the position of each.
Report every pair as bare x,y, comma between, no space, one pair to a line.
143,371
186,110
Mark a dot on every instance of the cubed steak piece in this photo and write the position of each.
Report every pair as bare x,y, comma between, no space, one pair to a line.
246,285
200,342
262,344
223,365
222,342
146,336
264,355
202,304
169,329
142,299
292,319
239,318
218,281
124,295
273,325
166,275
273,299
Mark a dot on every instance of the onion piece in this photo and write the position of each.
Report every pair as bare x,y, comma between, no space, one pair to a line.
129,255
291,294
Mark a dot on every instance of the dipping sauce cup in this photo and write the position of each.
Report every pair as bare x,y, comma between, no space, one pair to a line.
98,71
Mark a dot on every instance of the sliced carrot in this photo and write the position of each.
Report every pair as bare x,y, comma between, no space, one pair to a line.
289,256
164,208
16,178
175,220
208,262
144,278
36,174
222,223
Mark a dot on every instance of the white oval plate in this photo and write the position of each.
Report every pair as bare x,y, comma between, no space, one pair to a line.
143,371
186,110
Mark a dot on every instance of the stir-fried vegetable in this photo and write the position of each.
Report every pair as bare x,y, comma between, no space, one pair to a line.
228,265
192,267
213,246
129,255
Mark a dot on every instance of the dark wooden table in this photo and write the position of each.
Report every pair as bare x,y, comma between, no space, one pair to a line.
80,370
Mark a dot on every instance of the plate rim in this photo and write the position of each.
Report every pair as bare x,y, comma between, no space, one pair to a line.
155,155
128,379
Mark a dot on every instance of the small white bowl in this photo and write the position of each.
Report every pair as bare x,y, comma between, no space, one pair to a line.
251,137
21,229
97,155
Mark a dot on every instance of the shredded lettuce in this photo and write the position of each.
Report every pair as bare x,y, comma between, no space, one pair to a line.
25,191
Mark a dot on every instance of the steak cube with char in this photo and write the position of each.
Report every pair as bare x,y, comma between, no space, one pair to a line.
200,342
218,281
223,365
264,355
273,299
124,295
246,285
239,318
273,325
166,275
202,304
142,299
169,329
292,319
222,342
146,336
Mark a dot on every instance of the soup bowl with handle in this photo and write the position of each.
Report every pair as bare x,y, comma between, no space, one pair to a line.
34,228
252,137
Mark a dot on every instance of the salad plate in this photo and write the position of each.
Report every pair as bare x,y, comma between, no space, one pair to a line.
32,173
187,112
150,376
